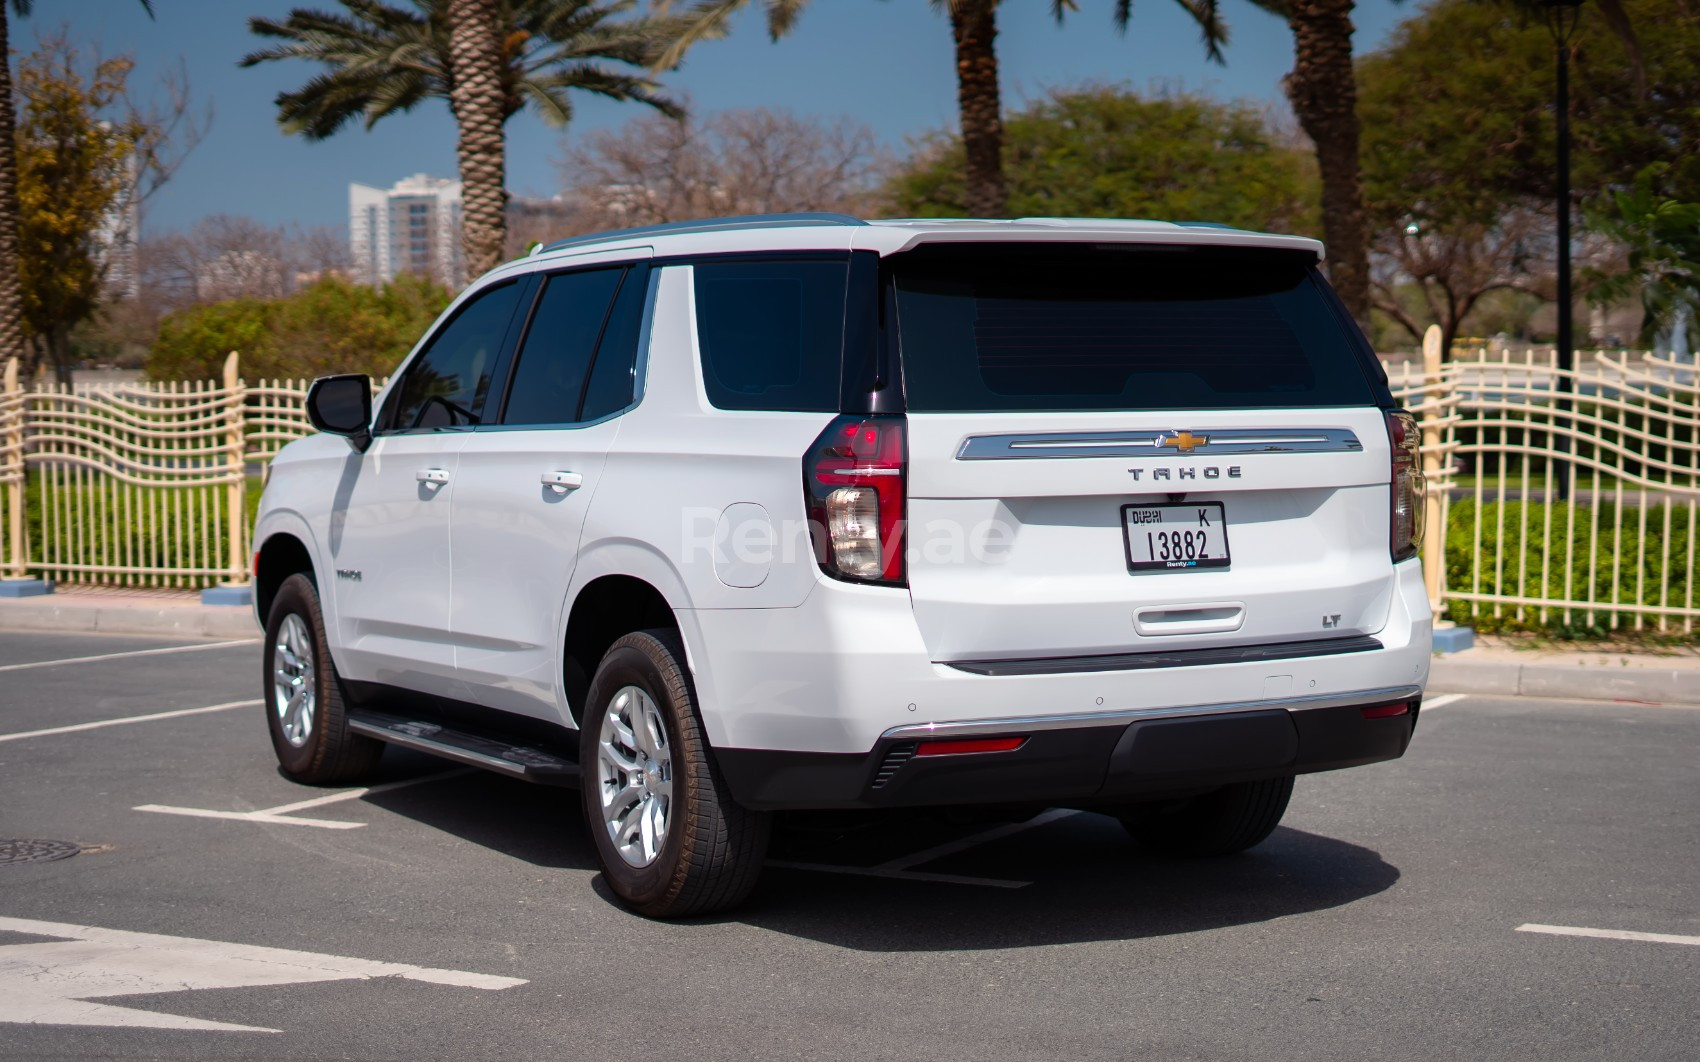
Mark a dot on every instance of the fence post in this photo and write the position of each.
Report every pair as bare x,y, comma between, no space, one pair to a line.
12,559
237,589
1437,477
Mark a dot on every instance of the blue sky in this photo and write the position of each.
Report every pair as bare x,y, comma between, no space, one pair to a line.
886,63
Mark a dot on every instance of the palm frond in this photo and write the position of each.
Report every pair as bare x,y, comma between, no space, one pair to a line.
1212,28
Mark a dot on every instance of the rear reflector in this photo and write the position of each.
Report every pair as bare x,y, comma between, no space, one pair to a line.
1387,711
955,748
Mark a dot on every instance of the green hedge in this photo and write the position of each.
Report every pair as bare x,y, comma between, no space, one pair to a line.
1656,570
330,326
104,526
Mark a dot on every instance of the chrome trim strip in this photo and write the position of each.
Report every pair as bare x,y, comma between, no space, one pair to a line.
1076,721
1152,443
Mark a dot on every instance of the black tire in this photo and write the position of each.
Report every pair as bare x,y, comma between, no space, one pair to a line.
328,753
712,849
1221,822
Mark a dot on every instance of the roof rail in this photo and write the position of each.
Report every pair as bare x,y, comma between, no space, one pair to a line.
707,225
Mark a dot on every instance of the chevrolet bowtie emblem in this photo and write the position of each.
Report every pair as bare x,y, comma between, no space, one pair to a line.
1185,441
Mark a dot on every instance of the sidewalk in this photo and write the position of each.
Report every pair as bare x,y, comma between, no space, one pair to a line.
113,611
1499,666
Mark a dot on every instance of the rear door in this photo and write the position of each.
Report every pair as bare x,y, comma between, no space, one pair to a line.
526,479
1125,448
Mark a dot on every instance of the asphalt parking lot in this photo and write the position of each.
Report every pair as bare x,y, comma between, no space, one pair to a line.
445,913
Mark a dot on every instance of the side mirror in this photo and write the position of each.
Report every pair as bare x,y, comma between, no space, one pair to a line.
342,405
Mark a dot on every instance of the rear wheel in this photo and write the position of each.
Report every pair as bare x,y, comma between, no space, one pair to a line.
1220,822
670,840
303,696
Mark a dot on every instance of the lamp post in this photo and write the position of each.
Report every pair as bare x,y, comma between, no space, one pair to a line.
1562,18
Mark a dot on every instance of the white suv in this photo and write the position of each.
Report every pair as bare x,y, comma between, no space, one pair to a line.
804,511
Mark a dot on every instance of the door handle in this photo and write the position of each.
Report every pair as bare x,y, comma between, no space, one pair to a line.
561,482
435,476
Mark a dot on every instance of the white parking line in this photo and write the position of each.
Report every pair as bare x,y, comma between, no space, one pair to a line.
279,816
125,720
132,652
1608,934
52,982
1443,700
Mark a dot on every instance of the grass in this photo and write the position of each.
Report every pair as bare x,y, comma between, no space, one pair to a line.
1563,550
109,531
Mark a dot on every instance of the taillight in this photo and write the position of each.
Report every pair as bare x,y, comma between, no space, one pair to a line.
853,486
1409,489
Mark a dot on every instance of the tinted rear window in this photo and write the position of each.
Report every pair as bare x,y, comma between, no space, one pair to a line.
1005,328
771,333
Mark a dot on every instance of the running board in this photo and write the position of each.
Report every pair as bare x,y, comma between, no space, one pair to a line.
515,761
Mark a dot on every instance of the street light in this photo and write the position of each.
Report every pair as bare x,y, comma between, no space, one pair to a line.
1562,17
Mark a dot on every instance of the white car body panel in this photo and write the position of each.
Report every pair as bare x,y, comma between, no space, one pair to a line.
393,530
515,544
1307,534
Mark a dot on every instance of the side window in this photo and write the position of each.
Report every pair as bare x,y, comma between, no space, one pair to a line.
548,380
447,384
613,380
771,333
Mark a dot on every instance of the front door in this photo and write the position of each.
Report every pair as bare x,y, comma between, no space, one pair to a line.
526,480
390,526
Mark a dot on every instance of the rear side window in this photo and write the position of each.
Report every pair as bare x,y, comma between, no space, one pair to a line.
771,333
1114,328
548,380
446,385
613,378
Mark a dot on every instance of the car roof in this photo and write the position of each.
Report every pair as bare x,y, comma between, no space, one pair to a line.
841,232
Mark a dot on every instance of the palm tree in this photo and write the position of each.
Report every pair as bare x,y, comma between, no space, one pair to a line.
487,58
11,288
1322,88
973,26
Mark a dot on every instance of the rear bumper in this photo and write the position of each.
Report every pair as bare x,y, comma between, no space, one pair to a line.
840,672
1084,760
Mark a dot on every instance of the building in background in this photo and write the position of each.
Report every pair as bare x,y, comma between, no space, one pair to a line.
116,236
411,227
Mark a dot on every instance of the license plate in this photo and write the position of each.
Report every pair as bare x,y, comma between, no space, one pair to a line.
1175,537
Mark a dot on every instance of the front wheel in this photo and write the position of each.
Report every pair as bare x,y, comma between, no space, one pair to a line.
669,838
1221,822
303,695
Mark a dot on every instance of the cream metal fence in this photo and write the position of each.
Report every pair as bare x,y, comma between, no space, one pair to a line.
1547,508
138,484
1539,516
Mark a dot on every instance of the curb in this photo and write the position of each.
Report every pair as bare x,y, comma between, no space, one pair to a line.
44,614
1600,682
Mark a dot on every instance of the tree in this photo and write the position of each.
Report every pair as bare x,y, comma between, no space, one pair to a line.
386,59
1320,88
759,161
331,326
1106,152
1474,182
1660,238
973,27
1452,269
11,293
72,167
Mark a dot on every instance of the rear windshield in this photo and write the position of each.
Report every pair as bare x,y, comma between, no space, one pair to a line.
1086,328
